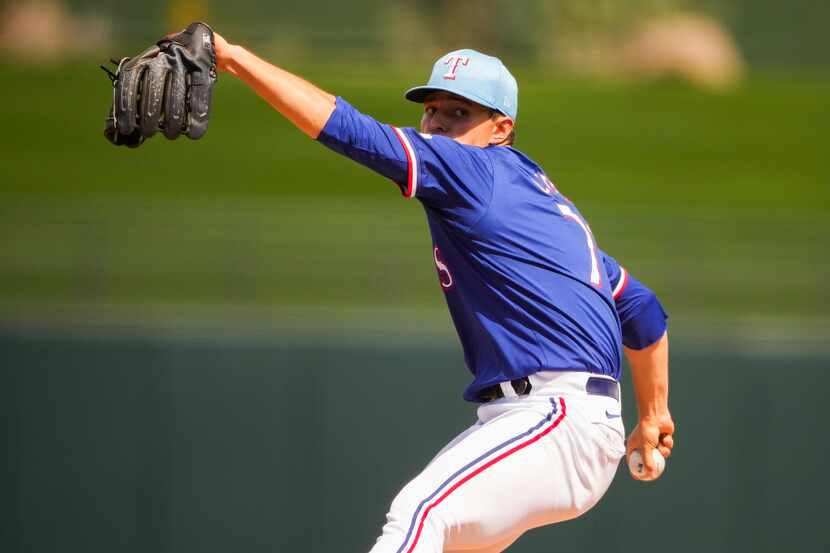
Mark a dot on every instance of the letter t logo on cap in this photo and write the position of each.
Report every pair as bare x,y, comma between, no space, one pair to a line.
454,62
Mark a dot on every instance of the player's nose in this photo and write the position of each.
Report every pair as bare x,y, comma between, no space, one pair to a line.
436,126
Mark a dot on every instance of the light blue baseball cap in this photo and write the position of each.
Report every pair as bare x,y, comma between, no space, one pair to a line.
475,76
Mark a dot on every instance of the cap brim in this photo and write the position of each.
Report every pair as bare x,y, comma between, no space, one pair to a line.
419,93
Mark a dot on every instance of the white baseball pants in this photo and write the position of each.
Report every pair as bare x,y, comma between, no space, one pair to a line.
528,461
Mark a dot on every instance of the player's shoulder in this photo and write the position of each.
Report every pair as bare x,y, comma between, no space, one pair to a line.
508,155
514,166
507,160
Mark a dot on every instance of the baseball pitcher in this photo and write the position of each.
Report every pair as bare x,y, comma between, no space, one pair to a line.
543,314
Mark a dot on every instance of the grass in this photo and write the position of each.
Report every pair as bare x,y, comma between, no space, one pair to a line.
718,201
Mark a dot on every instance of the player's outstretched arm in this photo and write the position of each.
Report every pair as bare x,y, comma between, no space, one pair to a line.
305,105
650,374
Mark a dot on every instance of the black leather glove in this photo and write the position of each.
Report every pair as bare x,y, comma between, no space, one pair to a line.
167,87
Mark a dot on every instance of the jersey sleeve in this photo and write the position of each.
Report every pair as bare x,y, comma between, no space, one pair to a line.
453,178
642,316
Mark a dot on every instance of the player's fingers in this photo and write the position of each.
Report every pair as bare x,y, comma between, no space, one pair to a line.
651,471
666,445
175,112
648,459
152,94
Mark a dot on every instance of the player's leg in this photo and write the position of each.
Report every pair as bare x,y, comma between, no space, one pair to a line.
455,441
553,463
424,516
497,547
395,530
529,463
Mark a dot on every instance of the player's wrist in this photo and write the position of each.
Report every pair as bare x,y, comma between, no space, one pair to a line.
653,412
226,54
653,404
656,423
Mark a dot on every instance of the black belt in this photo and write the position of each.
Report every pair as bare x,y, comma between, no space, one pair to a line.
594,386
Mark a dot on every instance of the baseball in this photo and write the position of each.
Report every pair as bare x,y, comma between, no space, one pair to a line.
637,467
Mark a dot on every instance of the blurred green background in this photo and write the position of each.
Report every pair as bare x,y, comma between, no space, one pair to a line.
239,343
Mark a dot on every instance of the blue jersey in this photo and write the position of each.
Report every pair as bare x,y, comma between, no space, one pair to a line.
527,286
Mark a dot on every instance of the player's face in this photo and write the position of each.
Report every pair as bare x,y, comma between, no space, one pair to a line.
449,115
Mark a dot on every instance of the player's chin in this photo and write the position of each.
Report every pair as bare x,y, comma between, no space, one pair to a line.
438,132
462,138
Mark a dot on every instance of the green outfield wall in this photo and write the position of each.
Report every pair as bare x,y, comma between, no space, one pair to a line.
189,444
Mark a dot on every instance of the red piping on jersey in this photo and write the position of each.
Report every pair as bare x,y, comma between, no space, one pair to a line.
621,284
409,161
484,467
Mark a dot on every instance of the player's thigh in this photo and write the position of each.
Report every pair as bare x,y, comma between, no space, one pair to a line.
496,547
516,471
455,441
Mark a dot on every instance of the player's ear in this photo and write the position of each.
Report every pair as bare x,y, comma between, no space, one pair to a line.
504,126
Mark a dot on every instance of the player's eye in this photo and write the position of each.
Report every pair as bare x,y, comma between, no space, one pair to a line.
429,110
460,112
